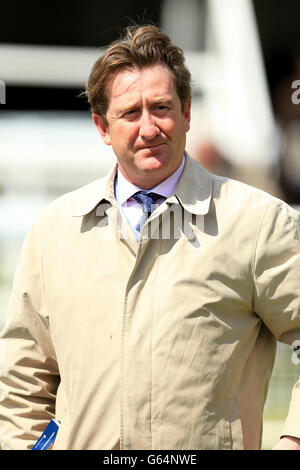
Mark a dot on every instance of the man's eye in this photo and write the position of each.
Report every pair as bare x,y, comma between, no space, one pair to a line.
162,109
130,113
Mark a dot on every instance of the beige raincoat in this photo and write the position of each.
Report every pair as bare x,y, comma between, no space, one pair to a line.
165,344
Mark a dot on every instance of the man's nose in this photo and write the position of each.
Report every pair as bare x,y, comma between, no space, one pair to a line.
148,127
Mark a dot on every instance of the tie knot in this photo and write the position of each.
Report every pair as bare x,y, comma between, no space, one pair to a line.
147,200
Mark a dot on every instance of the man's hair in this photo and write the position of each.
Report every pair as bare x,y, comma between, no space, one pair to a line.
141,46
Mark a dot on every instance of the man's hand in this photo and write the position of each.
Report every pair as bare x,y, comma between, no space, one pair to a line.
287,443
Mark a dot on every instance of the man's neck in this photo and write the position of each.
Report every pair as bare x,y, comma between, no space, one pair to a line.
125,188
150,183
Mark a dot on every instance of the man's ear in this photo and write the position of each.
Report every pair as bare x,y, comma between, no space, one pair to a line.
187,115
102,127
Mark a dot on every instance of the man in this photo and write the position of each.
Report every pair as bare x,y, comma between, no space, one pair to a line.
141,328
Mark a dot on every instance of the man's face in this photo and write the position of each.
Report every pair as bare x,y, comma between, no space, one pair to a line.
145,124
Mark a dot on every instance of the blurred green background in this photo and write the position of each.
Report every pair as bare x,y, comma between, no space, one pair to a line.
285,375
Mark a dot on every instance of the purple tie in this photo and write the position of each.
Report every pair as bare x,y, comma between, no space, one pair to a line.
147,200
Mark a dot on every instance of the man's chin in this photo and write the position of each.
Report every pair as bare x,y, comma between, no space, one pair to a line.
154,167
151,161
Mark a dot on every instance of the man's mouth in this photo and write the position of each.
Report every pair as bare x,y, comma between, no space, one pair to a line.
149,147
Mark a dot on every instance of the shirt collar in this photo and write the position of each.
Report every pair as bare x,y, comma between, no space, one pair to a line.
193,190
125,189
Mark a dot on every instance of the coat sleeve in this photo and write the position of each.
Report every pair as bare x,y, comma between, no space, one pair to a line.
29,373
277,286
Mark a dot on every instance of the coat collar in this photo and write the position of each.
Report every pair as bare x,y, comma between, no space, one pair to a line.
93,194
193,191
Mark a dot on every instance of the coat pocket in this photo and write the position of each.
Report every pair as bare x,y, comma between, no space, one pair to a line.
226,429
234,425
